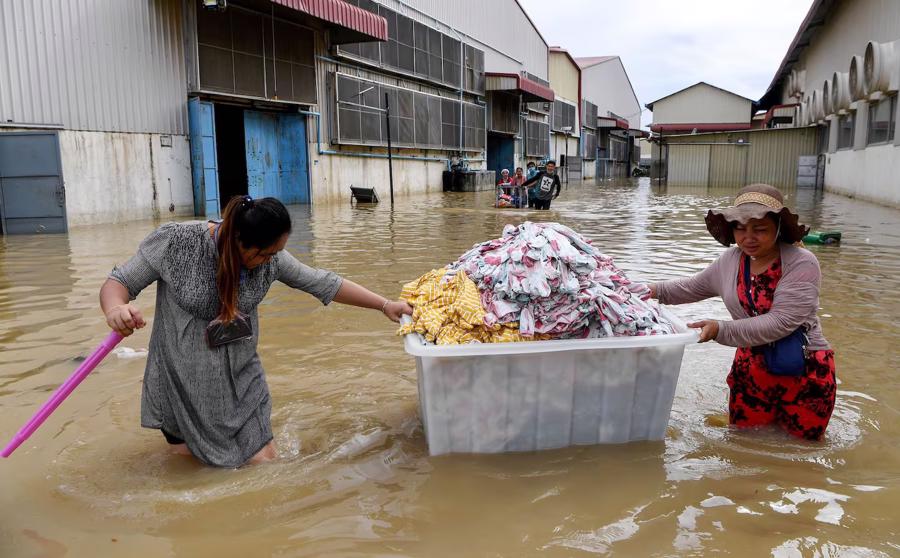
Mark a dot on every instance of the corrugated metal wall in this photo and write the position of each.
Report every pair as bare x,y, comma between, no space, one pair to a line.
769,156
688,164
100,65
510,41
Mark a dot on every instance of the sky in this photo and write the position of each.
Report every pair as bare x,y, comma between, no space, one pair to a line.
667,45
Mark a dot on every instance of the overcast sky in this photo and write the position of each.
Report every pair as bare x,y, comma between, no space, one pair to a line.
667,45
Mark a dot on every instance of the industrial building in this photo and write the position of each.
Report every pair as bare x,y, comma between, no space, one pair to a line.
113,111
701,108
565,127
608,93
840,77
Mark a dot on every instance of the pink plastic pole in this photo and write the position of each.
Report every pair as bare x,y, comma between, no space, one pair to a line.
62,392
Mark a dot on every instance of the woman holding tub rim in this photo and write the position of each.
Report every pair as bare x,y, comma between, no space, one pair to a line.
204,385
783,371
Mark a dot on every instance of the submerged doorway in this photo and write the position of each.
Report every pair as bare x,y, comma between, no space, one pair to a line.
501,153
230,152
238,151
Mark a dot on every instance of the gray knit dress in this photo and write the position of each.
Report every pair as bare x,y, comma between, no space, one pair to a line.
216,400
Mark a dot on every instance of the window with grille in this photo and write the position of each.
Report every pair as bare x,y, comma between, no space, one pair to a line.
537,139
846,125
417,50
882,120
589,141
418,120
504,113
564,115
247,53
589,114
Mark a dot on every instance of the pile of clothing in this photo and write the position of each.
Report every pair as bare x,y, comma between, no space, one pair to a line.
447,310
542,280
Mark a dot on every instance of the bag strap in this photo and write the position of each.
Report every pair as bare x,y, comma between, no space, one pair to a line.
747,292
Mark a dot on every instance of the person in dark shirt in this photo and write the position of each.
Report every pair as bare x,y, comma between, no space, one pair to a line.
547,186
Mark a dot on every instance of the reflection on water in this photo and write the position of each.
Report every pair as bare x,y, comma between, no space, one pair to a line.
354,477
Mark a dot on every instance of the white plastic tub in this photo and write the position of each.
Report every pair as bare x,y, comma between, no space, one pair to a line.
507,397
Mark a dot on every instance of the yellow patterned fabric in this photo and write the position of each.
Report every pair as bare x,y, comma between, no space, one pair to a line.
448,311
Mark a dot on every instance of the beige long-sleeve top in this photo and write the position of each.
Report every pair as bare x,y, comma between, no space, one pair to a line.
795,303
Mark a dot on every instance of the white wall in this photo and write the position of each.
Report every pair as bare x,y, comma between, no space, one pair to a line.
332,175
607,86
702,104
111,177
868,174
558,146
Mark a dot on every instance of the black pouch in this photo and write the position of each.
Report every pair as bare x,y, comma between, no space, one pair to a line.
220,333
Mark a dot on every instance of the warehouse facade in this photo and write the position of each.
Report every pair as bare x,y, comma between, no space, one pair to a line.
114,111
147,108
841,75
613,118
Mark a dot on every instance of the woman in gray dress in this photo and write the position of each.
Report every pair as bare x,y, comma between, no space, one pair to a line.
204,385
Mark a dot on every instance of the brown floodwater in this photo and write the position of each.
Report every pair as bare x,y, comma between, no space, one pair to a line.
354,477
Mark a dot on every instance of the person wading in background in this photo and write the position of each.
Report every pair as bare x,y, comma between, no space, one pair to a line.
547,186
204,385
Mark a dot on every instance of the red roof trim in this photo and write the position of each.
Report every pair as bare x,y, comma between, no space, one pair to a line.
718,127
771,112
528,86
343,14
620,122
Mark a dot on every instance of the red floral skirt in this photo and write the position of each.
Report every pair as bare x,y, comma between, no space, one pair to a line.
800,405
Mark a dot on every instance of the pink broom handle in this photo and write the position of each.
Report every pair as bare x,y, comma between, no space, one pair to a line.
62,392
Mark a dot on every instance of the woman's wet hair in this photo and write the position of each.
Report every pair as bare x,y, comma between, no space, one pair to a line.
246,223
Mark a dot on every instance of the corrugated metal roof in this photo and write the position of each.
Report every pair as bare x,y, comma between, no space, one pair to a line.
588,61
817,14
341,13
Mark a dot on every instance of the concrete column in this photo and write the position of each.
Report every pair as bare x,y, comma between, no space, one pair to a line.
833,128
897,122
862,125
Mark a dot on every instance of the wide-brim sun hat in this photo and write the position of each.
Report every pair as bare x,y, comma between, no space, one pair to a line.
755,202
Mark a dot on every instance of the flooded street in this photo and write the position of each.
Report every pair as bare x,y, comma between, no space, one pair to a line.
354,477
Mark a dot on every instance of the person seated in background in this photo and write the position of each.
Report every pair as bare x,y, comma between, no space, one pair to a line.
505,182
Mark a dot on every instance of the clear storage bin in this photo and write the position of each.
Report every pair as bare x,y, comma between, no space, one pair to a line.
508,397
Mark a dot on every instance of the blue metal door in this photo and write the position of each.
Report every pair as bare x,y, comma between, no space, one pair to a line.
500,154
293,172
261,142
204,162
32,195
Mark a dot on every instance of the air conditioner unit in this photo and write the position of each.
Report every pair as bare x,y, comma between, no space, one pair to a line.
856,79
840,91
882,67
